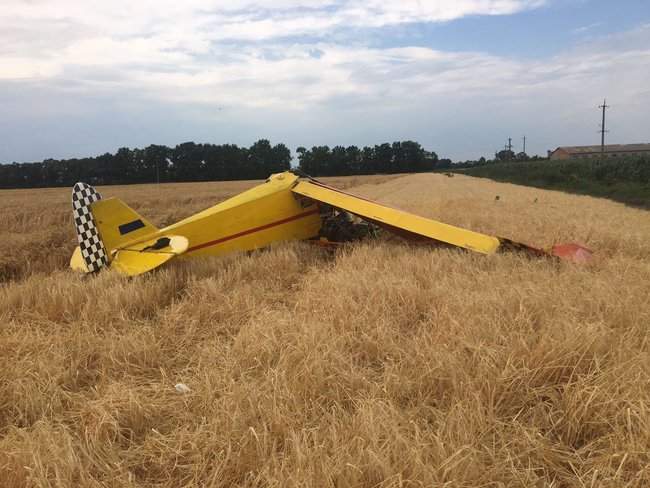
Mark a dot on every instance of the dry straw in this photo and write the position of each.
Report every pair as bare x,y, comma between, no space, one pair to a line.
381,365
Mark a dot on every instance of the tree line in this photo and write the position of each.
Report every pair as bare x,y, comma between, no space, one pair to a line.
185,162
398,157
205,162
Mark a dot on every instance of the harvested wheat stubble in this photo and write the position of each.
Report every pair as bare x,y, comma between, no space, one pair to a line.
382,365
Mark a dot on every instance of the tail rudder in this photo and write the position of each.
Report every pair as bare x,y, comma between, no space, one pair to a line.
91,248
103,226
119,224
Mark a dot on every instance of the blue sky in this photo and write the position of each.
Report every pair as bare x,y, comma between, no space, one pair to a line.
458,76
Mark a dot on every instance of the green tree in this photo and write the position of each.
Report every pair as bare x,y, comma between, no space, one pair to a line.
187,162
353,157
321,161
155,165
281,158
338,162
368,163
383,158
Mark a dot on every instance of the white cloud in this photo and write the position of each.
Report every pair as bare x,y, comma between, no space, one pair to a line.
291,77
585,28
197,50
63,31
207,54
13,67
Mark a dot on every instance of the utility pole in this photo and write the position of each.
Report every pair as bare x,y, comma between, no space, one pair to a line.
524,151
602,130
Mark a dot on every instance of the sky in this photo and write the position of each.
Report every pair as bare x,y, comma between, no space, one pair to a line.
82,77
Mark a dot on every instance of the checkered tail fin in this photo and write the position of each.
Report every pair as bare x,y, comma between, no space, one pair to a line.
104,227
91,247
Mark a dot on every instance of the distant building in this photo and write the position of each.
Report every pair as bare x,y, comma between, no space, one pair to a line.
611,151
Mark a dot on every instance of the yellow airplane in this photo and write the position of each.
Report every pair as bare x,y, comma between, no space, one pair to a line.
286,207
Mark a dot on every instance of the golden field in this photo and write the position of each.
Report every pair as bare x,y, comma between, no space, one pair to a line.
381,365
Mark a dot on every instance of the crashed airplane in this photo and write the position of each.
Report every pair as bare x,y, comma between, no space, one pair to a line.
286,207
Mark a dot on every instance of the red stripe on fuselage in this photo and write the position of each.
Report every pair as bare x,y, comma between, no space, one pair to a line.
253,230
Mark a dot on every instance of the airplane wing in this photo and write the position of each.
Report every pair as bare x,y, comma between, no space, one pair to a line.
395,220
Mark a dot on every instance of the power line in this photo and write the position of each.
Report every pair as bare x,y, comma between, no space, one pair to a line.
602,130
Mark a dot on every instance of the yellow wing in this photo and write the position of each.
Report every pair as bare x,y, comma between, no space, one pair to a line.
398,220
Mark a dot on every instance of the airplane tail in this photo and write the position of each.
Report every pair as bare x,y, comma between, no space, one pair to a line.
102,227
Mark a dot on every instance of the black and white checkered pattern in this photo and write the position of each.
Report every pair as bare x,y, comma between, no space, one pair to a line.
92,248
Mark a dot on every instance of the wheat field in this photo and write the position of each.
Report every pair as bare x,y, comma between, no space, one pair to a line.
382,364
